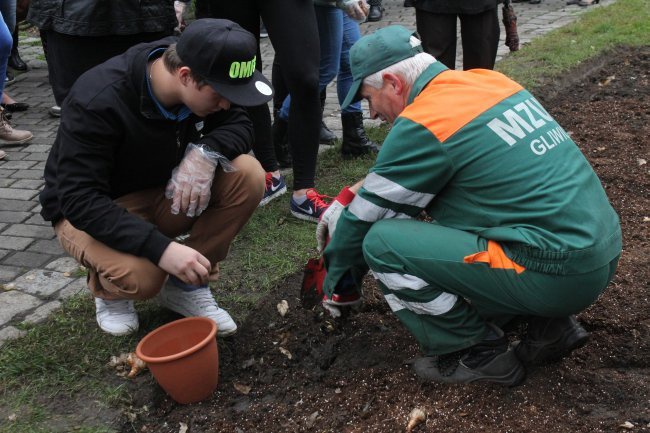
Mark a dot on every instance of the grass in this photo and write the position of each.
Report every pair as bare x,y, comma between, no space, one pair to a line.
625,23
66,356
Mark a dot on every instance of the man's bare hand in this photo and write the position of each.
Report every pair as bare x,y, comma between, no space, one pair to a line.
186,264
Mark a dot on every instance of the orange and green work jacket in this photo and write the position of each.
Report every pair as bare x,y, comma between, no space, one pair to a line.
479,153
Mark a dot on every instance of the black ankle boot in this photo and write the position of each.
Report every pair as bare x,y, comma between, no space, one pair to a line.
488,361
355,140
326,136
376,10
549,340
281,142
15,62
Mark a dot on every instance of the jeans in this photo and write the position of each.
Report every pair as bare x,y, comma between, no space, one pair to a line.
8,10
338,33
6,42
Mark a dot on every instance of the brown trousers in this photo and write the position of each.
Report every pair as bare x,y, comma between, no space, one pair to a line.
113,274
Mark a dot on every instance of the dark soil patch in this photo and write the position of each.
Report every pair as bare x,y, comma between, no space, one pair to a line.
349,375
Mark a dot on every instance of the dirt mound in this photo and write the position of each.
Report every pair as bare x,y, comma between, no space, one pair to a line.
305,372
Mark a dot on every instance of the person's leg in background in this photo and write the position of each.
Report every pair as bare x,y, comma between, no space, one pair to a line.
330,31
280,126
355,141
246,13
70,56
480,39
438,33
8,134
8,8
298,51
15,62
376,11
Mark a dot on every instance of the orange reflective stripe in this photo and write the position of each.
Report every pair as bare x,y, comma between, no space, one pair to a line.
495,257
454,98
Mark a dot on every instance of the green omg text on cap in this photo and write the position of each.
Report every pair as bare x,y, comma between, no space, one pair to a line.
242,69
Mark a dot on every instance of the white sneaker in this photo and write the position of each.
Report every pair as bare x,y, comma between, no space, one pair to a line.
117,317
199,302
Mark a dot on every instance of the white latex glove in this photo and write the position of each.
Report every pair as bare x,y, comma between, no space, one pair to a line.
189,186
327,224
179,8
333,310
356,9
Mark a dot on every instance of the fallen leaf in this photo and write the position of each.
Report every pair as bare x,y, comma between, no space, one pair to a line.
248,363
627,425
312,419
183,427
243,389
284,338
118,361
286,353
416,417
283,307
606,81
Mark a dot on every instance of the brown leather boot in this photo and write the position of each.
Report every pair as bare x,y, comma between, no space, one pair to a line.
10,135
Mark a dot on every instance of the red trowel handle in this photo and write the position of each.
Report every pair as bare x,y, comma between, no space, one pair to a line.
311,292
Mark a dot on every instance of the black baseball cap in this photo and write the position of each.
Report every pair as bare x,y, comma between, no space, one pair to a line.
225,54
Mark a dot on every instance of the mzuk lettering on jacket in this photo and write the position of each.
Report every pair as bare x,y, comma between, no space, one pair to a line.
529,121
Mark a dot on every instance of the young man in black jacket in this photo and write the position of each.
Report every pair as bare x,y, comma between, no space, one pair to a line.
149,148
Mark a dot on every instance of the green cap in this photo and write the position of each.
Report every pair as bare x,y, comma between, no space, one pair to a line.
377,51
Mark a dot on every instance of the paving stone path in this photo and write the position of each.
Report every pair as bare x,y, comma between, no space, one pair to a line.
35,273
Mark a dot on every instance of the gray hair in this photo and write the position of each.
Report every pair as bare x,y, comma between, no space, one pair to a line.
409,69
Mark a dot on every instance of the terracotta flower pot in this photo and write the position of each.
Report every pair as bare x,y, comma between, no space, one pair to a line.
183,358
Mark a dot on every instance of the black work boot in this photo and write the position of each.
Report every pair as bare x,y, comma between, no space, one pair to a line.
15,62
376,11
487,361
550,339
280,134
355,141
326,136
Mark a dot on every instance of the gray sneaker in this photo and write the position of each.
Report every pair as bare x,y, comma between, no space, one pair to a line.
550,339
199,302
487,361
117,317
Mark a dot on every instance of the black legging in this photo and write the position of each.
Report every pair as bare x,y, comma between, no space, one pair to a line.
292,28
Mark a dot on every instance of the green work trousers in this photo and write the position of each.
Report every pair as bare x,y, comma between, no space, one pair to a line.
444,283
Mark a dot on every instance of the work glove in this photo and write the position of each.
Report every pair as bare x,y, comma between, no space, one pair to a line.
329,218
356,9
189,186
345,294
179,8
510,25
